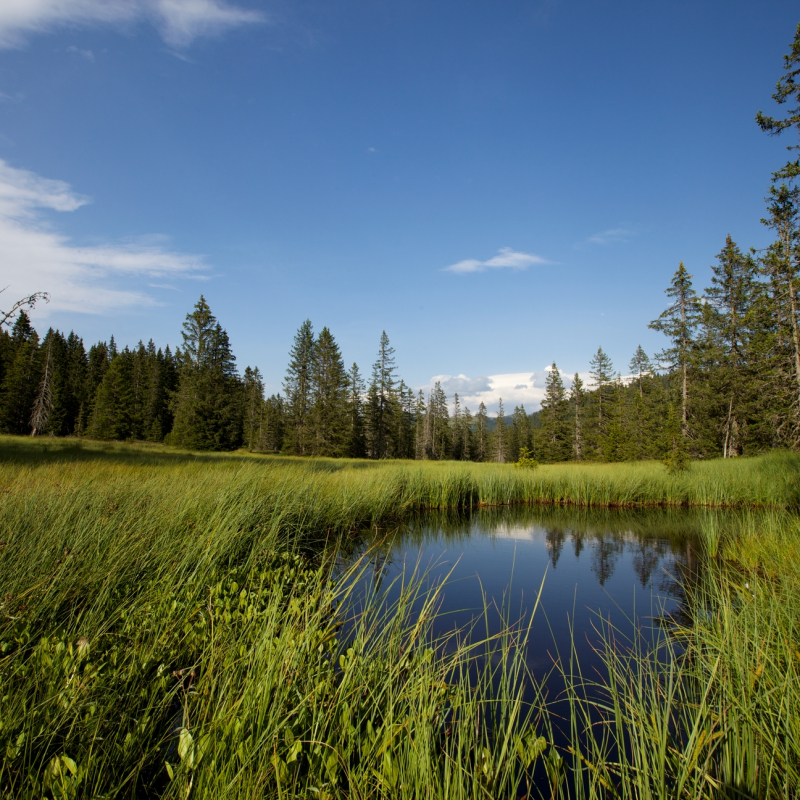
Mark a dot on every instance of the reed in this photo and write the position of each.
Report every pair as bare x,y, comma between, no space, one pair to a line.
171,626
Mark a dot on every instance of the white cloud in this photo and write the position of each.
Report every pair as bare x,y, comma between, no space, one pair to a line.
515,389
619,234
178,21
87,54
35,257
505,259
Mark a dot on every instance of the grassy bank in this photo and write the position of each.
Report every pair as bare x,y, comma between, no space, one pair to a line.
168,628
340,492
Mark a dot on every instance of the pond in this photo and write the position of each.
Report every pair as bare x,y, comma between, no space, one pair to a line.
626,567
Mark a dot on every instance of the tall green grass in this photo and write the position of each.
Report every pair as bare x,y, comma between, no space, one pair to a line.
170,626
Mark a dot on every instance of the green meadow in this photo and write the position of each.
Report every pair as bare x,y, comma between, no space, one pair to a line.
173,625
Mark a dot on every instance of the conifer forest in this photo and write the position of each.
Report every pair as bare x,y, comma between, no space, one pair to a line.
727,383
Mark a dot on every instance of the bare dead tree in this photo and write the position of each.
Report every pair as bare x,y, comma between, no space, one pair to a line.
43,404
26,302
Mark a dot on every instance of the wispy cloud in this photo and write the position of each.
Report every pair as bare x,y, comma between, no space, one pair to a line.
619,234
178,21
95,279
87,54
505,259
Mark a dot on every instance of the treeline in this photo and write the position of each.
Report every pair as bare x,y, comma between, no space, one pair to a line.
726,384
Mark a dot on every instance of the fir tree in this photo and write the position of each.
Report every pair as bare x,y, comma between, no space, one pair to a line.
383,382
787,90
297,387
113,412
253,391
500,444
576,398
481,433
328,417
679,323
555,444
22,378
355,393
207,405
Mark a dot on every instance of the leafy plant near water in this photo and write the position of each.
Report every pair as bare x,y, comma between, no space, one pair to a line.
169,630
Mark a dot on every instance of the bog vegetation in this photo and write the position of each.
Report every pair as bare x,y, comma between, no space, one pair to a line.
173,625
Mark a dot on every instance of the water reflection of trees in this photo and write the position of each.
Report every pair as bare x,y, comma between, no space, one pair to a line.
659,543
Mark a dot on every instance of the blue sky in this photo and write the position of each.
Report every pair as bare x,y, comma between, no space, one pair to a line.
497,185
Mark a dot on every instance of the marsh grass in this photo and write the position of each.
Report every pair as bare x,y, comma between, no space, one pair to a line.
171,626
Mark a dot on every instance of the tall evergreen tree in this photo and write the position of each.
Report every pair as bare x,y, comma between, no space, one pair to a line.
114,405
499,438
207,405
727,323
602,373
555,441
355,393
679,323
383,380
22,377
297,386
482,434
329,422
576,400
787,90
253,417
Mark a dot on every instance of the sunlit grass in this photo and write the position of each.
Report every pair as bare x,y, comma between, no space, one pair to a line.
169,627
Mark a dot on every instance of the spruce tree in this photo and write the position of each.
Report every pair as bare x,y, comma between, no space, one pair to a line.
113,411
602,373
253,394
787,90
328,417
499,437
555,444
22,378
576,400
207,404
679,323
383,381
481,433
297,389
727,322
355,393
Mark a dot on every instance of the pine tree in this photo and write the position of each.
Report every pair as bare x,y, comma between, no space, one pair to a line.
788,89
113,411
727,320
253,391
636,411
383,380
355,393
22,378
297,388
602,373
420,426
500,444
679,323
519,434
207,405
328,417
555,444
481,433
576,400
273,426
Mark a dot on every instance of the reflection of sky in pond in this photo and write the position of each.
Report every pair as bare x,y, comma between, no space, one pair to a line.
620,565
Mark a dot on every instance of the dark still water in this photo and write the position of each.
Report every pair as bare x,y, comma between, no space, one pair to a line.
629,567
